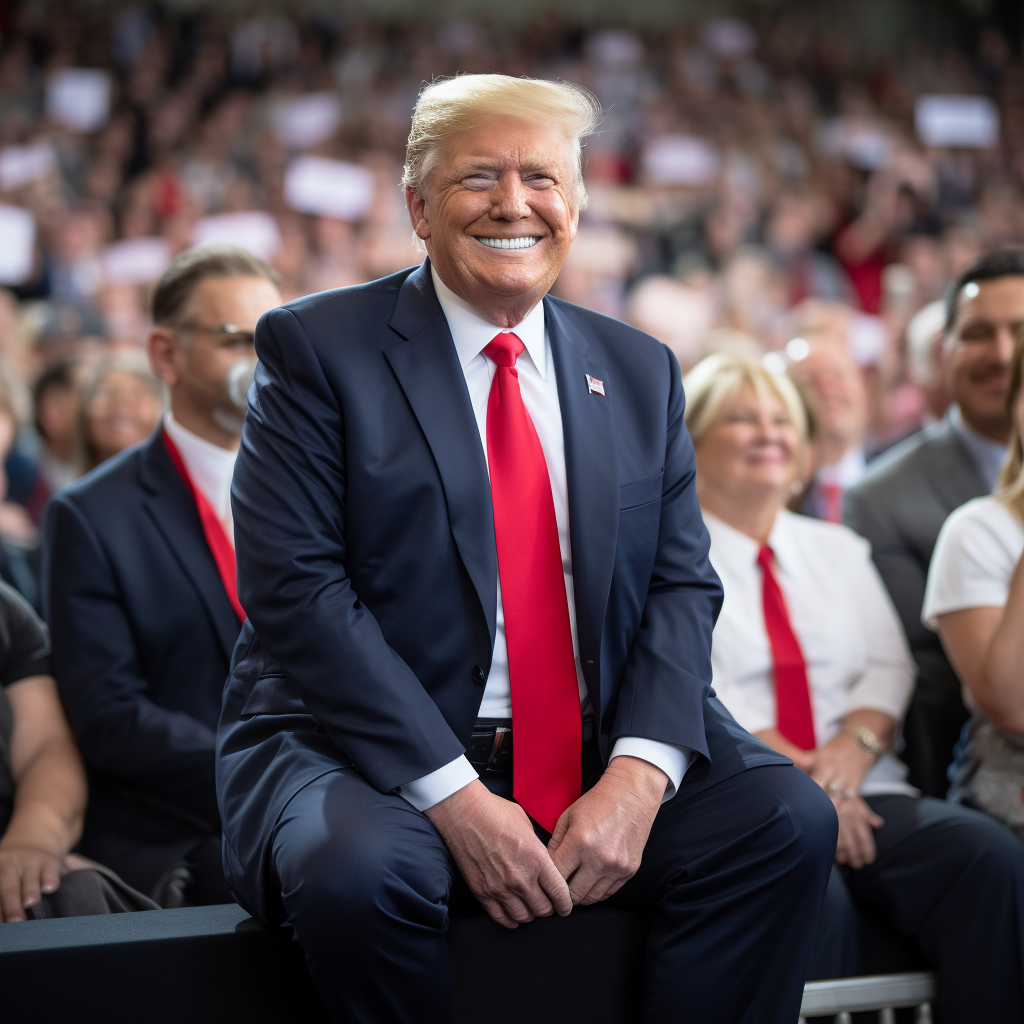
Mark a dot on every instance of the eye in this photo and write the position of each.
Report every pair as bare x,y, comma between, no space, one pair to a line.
539,181
478,182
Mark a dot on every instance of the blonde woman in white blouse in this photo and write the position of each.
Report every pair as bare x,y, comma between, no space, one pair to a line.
975,599
808,654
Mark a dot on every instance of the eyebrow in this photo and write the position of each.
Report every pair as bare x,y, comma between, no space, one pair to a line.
532,163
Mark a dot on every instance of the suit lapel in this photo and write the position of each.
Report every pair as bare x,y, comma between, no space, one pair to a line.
428,370
170,506
591,472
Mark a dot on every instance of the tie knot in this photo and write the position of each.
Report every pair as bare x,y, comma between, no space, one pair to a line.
764,557
504,349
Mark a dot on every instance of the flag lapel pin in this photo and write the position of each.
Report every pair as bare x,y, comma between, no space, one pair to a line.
594,386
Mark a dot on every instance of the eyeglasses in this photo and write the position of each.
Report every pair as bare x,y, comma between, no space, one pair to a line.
233,331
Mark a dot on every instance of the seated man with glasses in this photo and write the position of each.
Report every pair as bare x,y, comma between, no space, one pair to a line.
139,589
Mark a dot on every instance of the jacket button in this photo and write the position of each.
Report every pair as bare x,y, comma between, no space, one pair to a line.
478,674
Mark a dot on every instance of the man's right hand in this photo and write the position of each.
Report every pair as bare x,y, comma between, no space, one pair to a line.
505,865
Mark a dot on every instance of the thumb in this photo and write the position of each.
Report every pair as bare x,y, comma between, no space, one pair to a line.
555,886
875,821
561,827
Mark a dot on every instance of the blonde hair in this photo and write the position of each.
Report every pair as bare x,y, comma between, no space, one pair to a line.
1010,487
717,379
449,105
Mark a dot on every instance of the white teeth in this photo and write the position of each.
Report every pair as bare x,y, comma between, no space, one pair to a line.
510,243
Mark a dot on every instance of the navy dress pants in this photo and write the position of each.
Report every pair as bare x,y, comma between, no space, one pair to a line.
954,879
735,876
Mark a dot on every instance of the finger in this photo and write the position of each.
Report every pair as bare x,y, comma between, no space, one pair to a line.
10,894
30,884
875,821
603,888
497,913
553,883
566,858
536,900
50,876
515,908
583,881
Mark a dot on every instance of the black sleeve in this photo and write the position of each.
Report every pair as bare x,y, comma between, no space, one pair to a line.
24,640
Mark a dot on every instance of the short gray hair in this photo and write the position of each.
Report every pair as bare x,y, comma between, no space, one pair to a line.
449,105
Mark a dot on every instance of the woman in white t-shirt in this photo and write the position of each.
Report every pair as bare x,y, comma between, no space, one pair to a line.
975,599
809,655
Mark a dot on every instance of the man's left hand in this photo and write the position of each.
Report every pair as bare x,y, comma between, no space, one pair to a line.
599,840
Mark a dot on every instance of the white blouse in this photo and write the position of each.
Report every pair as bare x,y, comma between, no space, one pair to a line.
856,654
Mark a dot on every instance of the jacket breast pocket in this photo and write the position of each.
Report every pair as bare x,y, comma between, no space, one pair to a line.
641,492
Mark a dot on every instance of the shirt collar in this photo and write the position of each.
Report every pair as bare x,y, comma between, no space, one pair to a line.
209,465
988,455
472,333
736,549
847,471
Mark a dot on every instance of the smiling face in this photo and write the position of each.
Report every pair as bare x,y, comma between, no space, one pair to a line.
978,349
749,452
496,214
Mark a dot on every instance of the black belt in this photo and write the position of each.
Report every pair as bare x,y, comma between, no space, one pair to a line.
490,746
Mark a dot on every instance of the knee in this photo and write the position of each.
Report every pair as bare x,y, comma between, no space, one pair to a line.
359,879
814,819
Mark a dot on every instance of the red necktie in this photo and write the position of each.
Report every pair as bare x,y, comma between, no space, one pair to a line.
217,540
792,694
833,494
546,723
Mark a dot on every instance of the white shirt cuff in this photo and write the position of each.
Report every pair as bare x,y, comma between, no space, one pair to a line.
431,789
672,760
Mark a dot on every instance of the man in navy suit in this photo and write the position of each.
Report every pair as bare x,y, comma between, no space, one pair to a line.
140,594
478,653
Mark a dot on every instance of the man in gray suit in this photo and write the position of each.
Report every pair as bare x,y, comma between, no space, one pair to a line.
904,499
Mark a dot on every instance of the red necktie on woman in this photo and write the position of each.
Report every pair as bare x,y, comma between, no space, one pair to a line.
546,723
792,694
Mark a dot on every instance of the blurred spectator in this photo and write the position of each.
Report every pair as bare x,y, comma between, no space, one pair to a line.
908,493
42,788
924,341
834,389
139,580
121,405
19,535
808,655
57,401
975,601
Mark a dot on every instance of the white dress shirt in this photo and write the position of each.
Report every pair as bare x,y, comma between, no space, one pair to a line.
853,644
210,468
988,455
539,387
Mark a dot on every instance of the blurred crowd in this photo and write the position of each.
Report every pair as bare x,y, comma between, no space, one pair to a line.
755,190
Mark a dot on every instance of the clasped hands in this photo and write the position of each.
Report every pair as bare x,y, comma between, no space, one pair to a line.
595,849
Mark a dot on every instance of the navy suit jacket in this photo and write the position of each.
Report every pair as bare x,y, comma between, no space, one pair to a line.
367,563
142,636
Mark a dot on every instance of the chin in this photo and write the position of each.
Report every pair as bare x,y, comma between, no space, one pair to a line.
513,279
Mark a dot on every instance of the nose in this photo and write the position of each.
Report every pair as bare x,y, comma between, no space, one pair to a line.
1006,336
509,198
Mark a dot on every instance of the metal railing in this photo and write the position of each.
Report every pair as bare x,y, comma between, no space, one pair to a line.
882,992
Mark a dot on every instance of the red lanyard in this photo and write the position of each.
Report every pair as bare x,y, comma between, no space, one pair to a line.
216,538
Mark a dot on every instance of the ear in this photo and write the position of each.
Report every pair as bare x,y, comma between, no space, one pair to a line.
574,224
163,346
417,207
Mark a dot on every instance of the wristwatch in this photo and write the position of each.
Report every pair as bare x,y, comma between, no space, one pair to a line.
866,740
